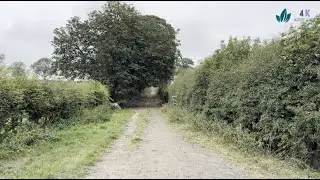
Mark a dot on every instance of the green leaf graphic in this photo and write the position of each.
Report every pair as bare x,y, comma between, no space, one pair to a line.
288,17
283,15
278,18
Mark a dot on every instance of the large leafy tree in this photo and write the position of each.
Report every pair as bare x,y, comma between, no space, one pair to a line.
117,46
43,67
18,69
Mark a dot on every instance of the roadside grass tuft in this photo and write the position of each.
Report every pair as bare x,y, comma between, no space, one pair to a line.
142,123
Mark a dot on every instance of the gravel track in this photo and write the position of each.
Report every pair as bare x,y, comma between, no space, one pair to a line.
162,154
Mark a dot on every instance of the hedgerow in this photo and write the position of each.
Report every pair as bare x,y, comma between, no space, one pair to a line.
270,90
45,103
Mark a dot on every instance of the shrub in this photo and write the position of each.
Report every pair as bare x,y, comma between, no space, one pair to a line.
163,93
270,90
99,114
45,102
26,135
11,104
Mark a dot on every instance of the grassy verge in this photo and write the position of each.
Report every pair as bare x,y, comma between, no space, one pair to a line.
139,130
235,146
69,155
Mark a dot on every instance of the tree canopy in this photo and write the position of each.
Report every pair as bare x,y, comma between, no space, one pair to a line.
18,69
117,46
43,67
185,63
2,57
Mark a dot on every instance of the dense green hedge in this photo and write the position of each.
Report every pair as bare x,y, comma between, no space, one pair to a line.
45,102
269,89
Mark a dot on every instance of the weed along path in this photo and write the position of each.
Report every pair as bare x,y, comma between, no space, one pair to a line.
159,152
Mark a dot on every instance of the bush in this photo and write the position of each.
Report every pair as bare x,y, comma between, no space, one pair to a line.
45,102
26,135
163,93
182,88
99,114
270,90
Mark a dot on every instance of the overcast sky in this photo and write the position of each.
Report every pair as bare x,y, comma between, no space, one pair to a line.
26,28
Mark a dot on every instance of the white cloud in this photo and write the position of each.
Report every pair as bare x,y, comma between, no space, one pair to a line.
26,28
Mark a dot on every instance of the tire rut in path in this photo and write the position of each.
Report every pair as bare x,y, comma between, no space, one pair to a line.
161,154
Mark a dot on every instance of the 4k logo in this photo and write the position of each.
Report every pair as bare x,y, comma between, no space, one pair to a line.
303,15
284,17
306,13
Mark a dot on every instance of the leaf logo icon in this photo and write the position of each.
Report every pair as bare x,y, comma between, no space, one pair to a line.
284,17
288,17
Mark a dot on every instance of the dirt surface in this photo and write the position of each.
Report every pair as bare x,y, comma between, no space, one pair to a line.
162,154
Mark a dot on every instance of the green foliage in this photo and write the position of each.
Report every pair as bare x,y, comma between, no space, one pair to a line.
18,69
4,71
199,123
45,102
117,46
270,90
25,136
2,57
185,63
28,134
43,67
182,87
62,153
163,93
238,145
100,113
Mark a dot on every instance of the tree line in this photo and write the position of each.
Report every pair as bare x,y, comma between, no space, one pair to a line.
42,68
117,46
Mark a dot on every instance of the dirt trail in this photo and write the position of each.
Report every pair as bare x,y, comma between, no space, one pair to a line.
161,154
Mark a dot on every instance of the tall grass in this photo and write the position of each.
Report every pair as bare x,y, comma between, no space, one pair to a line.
69,152
238,146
